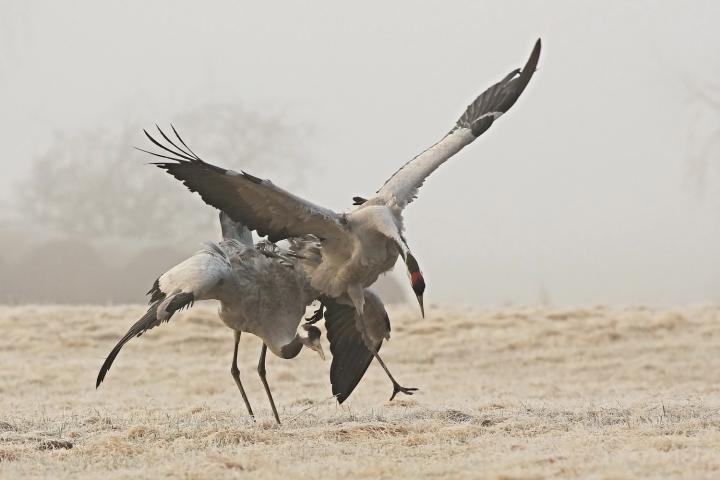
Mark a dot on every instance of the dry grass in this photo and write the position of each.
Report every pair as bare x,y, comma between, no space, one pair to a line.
512,393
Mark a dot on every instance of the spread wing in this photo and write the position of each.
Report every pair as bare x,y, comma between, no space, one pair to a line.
252,201
402,187
353,351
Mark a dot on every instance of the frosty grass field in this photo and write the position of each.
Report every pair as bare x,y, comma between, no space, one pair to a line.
507,393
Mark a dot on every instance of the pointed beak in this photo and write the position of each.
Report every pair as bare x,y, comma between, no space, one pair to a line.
320,351
417,281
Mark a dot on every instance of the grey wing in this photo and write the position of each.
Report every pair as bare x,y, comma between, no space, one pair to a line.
247,199
402,187
201,274
352,350
193,279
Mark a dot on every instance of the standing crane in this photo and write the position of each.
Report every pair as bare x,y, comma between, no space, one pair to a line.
261,289
355,247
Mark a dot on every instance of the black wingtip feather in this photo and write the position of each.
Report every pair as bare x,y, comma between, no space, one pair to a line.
155,293
161,156
183,142
184,155
531,65
179,155
136,330
148,321
167,149
499,98
181,301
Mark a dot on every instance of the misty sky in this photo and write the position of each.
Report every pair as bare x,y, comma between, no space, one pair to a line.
579,195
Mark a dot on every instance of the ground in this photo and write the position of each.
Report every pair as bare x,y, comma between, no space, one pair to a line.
507,393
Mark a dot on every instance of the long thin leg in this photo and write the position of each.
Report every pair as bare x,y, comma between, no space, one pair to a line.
235,372
396,386
261,372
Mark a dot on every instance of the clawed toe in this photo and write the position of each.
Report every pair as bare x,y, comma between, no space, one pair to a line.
397,388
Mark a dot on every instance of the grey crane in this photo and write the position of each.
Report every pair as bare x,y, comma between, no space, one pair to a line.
262,290
359,245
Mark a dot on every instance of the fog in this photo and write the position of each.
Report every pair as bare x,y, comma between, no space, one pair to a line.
601,184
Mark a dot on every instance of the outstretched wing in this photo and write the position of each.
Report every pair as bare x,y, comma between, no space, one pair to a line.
402,187
254,202
353,343
351,357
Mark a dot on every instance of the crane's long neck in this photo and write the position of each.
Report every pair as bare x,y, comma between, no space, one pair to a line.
292,349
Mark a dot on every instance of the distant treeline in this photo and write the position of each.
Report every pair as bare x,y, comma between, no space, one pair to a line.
76,271
72,271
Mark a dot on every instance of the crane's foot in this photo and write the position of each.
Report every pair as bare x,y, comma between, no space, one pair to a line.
317,316
397,388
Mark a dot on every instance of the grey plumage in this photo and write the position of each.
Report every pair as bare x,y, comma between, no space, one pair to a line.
261,290
231,229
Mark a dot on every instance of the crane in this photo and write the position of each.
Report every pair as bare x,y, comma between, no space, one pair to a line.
261,289
356,246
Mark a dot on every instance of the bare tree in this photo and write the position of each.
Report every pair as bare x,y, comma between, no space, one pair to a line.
93,185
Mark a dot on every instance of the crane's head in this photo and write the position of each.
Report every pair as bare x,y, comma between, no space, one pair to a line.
312,341
416,279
